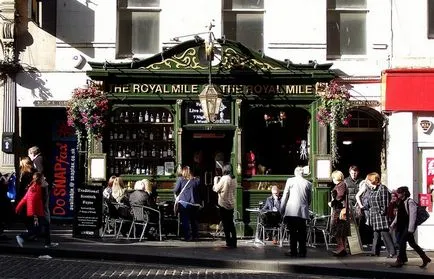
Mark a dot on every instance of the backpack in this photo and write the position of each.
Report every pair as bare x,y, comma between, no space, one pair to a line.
421,214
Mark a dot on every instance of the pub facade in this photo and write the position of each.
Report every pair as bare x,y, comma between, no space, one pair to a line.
265,125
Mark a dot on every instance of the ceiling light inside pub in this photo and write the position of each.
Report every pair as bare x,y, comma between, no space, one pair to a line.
347,142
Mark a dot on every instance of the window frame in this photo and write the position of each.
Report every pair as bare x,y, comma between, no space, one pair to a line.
237,11
131,9
430,19
337,12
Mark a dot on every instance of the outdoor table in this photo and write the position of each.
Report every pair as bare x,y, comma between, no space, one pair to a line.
256,239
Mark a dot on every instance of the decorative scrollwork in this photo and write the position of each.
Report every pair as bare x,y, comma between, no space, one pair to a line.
188,59
233,59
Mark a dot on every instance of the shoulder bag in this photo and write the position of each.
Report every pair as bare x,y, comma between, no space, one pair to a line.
175,205
421,214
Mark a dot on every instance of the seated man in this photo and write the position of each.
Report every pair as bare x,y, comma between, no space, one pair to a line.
270,213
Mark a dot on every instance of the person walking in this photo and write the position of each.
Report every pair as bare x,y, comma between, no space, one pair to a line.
34,154
32,200
26,171
379,199
225,188
188,203
405,226
340,225
294,205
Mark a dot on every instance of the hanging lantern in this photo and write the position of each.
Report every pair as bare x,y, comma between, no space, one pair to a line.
210,100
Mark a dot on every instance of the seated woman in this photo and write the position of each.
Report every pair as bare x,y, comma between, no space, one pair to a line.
142,194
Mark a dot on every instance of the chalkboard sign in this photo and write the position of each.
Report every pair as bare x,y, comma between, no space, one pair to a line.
194,113
88,211
354,242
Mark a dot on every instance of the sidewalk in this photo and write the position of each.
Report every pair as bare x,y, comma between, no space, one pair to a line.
211,253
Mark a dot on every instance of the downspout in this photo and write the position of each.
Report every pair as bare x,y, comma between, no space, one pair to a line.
390,58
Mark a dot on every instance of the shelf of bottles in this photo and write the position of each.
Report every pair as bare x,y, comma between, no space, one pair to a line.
140,141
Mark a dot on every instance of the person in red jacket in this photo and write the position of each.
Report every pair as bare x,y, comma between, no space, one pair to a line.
34,208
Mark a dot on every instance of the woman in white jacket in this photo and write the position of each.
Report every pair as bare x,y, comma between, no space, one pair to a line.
405,225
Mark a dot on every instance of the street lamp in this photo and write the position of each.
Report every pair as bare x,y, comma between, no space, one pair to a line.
210,97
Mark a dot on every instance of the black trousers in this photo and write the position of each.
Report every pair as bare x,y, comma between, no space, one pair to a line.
404,237
227,217
297,235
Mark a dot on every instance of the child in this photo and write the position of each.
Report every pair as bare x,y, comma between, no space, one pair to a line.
34,207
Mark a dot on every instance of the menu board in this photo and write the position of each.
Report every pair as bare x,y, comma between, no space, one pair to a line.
88,211
194,113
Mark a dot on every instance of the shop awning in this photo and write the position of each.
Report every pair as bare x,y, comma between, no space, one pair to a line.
408,89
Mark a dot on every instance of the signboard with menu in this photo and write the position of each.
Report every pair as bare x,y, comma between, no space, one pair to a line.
88,211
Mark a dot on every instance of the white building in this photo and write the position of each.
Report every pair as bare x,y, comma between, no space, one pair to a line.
361,38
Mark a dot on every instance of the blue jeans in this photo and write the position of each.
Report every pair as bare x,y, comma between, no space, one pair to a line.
188,214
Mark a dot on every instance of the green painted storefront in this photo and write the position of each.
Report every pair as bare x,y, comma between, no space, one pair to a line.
251,84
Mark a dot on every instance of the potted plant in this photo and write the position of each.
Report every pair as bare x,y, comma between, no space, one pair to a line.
86,112
334,104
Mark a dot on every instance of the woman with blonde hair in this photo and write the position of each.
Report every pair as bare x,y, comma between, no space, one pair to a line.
142,194
188,202
118,191
26,170
340,225
379,199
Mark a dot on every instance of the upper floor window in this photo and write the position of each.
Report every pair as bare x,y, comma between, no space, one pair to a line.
243,21
346,27
138,27
430,19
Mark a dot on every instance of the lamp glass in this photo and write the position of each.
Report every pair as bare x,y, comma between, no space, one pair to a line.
210,101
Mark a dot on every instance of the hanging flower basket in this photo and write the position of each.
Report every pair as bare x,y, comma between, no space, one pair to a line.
333,111
86,112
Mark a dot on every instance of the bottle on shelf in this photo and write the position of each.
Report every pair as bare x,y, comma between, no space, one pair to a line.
151,135
146,119
127,117
115,134
164,134
121,117
163,118
151,118
165,153
111,135
145,152
120,153
127,135
140,117
170,134
111,151
138,169
134,134
157,118
133,117
169,117
133,152
153,151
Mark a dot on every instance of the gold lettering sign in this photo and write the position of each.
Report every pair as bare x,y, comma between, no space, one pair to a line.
258,89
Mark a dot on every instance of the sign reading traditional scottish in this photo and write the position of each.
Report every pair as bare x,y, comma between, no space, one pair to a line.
233,89
88,211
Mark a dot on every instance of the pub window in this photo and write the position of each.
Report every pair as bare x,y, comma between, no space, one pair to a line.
346,27
278,138
138,27
430,19
243,21
33,10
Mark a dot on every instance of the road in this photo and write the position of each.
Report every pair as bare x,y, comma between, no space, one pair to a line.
21,267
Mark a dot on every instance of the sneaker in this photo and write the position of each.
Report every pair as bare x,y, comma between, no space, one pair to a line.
20,241
52,245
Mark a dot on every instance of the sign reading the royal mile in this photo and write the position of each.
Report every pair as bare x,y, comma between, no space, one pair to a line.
194,113
88,211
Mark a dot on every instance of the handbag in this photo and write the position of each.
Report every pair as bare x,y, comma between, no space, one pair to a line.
343,214
421,214
175,205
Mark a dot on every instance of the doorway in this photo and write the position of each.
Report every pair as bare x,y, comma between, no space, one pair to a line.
205,152
361,143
